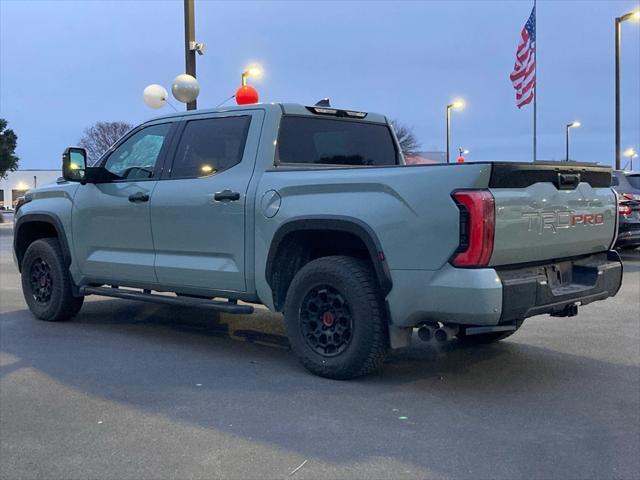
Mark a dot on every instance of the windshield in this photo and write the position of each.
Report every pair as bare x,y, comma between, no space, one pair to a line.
634,180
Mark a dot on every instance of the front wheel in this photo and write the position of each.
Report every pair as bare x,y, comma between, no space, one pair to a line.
335,318
46,282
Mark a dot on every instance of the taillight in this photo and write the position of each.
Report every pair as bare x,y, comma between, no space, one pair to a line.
624,209
477,228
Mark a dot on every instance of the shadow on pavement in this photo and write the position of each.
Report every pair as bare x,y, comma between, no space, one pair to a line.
630,260
505,399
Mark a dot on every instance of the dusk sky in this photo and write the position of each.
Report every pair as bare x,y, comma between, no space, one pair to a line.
66,65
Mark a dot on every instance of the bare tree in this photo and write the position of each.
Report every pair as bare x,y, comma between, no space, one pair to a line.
409,144
99,137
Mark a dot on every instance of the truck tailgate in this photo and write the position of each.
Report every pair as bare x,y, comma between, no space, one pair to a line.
551,210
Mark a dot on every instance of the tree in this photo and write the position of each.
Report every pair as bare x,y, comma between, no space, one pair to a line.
409,144
8,142
98,138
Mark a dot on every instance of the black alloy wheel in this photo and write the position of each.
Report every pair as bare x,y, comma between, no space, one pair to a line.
325,321
41,281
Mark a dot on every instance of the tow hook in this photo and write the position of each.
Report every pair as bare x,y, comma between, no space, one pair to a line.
568,311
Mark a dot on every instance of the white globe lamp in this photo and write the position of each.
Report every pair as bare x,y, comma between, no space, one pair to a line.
185,88
155,96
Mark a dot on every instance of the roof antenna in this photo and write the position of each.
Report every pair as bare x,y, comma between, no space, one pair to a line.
323,103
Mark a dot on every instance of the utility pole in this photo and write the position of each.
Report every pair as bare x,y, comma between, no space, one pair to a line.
448,132
635,15
190,43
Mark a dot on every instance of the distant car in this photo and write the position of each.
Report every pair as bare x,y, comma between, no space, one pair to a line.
627,185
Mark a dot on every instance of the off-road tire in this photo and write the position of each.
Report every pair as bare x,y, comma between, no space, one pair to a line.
484,338
61,304
356,284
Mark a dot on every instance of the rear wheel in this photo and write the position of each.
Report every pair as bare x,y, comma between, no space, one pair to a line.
485,338
335,318
46,282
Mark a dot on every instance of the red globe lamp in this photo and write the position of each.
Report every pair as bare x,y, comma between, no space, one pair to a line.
246,95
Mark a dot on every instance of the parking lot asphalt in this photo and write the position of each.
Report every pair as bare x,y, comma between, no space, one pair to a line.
131,390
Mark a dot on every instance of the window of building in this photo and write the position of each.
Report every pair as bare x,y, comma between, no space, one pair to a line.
210,146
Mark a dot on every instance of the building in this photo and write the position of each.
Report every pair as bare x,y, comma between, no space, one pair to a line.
427,157
17,183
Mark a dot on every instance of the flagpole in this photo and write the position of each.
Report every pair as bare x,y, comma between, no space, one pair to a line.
535,89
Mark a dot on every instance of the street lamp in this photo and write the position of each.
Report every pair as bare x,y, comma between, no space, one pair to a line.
457,104
254,71
461,153
630,153
635,16
247,94
571,125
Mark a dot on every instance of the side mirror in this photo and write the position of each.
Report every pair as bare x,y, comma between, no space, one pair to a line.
74,164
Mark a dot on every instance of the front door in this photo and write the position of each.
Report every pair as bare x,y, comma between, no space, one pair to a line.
110,221
198,209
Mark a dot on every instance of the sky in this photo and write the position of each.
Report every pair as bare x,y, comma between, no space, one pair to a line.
66,64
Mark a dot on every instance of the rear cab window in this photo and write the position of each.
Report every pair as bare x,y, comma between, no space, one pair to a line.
306,140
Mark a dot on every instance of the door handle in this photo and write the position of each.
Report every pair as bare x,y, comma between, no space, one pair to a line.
139,197
226,196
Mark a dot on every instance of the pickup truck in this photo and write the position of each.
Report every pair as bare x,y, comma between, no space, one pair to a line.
312,212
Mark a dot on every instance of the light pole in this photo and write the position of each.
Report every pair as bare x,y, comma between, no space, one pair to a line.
190,45
189,39
569,127
457,104
635,15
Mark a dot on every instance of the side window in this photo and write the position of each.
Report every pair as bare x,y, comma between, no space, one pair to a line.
136,158
614,181
210,146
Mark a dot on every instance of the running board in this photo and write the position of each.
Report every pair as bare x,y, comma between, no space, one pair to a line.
480,330
218,306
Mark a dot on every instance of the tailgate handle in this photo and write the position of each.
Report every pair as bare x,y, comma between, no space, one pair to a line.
568,181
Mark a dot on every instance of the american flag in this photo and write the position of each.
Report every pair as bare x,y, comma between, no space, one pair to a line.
523,76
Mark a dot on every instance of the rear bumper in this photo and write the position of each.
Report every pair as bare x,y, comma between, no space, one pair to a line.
553,288
490,296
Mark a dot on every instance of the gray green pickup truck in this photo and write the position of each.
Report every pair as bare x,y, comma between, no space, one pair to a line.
312,212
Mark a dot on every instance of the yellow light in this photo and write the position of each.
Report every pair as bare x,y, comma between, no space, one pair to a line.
254,71
575,124
636,15
206,168
22,186
629,152
458,104
74,166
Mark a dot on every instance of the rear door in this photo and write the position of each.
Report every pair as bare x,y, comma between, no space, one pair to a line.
110,221
198,210
547,211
